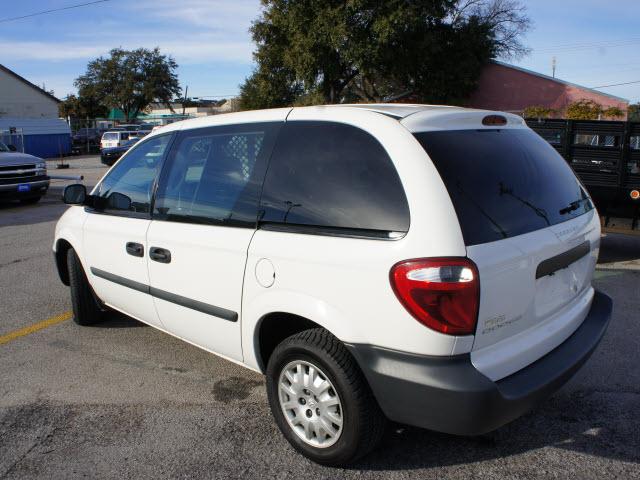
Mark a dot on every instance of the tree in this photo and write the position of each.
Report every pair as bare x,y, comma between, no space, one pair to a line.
538,111
613,112
584,110
366,50
590,110
506,19
131,80
82,106
634,112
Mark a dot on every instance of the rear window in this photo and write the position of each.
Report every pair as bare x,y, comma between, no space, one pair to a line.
110,136
504,183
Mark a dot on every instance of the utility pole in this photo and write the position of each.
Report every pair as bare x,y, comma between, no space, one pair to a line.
553,67
184,100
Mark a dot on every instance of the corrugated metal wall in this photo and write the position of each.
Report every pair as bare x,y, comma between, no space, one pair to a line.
43,137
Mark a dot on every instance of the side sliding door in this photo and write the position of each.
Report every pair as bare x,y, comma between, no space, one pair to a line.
203,220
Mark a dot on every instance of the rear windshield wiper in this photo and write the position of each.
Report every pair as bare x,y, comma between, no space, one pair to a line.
572,206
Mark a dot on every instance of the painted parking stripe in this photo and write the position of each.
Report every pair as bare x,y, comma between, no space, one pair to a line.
63,317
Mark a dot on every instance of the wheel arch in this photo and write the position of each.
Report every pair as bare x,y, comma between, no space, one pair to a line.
62,247
271,316
273,328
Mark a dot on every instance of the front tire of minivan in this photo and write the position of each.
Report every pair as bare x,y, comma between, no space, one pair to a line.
86,309
320,399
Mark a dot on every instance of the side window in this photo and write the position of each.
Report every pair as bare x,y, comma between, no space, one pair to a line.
214,175
333,175
128,185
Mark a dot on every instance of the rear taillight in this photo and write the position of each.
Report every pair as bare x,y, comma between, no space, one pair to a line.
441,293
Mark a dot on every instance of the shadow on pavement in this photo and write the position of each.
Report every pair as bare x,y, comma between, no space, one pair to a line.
576,422
118,320
615,247
50,208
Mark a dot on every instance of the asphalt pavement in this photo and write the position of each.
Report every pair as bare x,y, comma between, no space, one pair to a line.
123,400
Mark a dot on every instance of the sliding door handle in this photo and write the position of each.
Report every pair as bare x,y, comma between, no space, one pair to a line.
161,255
135,249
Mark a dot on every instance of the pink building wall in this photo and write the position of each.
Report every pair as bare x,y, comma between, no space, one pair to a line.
511,89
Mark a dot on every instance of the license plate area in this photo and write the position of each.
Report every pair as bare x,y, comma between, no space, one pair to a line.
560,288
551,265
24,187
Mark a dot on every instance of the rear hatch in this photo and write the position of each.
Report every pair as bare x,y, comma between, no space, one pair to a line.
531,229
110,140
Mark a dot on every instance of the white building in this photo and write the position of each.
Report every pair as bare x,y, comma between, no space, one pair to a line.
19,98
158,109
29,117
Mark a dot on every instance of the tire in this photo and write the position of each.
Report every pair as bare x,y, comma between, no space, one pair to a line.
362,421
86,309
30,200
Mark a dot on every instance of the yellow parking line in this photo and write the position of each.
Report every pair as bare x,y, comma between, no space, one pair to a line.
35,327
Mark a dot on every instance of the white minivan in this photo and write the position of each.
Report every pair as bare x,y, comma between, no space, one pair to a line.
428,265
114,138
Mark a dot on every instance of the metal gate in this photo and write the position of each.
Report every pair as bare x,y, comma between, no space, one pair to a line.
13,137
606,157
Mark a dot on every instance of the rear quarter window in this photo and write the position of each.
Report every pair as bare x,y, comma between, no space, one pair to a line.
333,176
504,182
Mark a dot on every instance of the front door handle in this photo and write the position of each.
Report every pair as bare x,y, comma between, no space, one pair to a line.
161,255
135,249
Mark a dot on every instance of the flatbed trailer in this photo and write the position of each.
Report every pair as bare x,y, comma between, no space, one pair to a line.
606,157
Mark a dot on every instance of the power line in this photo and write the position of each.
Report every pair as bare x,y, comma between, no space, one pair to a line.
599,42
617,84
11,19
567,47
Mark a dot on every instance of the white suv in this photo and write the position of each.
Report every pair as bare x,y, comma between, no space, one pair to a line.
430,265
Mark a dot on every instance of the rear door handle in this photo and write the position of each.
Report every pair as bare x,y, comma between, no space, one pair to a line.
135,249
161,255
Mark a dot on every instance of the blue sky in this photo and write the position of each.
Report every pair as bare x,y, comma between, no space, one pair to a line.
595,42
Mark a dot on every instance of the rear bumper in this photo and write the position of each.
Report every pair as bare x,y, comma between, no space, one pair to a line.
448,394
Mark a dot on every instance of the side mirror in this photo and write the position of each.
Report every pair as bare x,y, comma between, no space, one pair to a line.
75,194
12,148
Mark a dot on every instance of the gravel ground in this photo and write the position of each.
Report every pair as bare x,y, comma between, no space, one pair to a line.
123,400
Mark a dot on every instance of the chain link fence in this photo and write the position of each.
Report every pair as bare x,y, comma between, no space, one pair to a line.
86,133
13,138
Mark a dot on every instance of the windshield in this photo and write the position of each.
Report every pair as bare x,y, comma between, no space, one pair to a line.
504,183
4,148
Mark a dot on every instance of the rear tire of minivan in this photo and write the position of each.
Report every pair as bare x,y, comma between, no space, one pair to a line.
320,399
86,309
